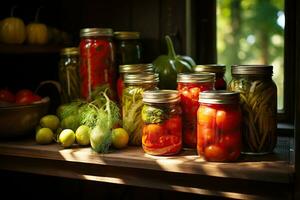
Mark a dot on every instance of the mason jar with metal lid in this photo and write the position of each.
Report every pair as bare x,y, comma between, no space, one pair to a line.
258,99
128,47
162,126
189,87
68,74
97,60
132,103
130,69
218,69
219,126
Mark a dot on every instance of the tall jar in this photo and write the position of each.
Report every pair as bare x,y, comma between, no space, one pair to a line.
161,115
218,69
130,69
189,87
68,74
132,103
258,98
97,60
219,126
128,47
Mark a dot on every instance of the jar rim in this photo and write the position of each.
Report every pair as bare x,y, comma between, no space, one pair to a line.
90,32
196,77
139,78
219,97
252,69
69,51
135,68
126,35
215,68
161,96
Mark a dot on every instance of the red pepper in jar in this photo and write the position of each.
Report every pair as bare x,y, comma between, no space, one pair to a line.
218,126
97,60
189,87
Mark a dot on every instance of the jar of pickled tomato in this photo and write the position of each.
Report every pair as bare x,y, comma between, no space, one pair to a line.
162,126
97,62
130,69
189,87
218,69
219,126
132,103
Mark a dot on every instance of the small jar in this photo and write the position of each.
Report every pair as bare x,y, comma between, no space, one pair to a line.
128,47
130,69
161,115
132,103
219,126
219,70
258,94
189,87
68,74
97,60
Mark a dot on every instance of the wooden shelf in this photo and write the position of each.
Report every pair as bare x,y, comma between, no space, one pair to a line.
29,49
251,177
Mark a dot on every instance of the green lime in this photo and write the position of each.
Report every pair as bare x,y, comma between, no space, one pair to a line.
44,136
70,122
82,135
66,138
50,121
119,138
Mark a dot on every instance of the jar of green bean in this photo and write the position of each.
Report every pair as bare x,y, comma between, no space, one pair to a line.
258,99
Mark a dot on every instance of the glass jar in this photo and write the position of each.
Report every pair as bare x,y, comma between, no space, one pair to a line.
219,126
68,74
97,60
161,115
130,69
258,98
132,103
128,47
218,69
189,87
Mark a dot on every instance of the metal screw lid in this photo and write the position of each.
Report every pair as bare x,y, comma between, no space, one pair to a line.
145,77
126,35
219,97
90,32
161,96
136,68
69,51
252,69
195,77
214,68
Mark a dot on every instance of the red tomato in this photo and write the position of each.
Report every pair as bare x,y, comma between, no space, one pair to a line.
151,134
7,96
215,153
26,96
194,92
173,125
230,140
228,119
207,135
206,116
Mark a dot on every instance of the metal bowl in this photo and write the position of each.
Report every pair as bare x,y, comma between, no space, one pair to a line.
20,120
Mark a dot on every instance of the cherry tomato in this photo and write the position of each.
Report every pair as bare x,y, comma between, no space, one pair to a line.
152,133
215,153
24,92
207,135
26,96
228,119
194,92
230,140
206,116
173,125
7,96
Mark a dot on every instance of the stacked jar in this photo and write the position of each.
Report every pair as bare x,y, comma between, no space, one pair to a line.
258,94
218,126
132,103
162,128
69,74
130,69
189,87
97,60
218,69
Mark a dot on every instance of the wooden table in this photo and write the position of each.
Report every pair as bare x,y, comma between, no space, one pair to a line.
260,177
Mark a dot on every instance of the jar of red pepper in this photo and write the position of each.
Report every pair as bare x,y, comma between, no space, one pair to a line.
162,126
189,87
97,59
219,126
218,69
130,69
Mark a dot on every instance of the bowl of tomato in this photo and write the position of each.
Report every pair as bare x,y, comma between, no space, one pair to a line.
20,112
